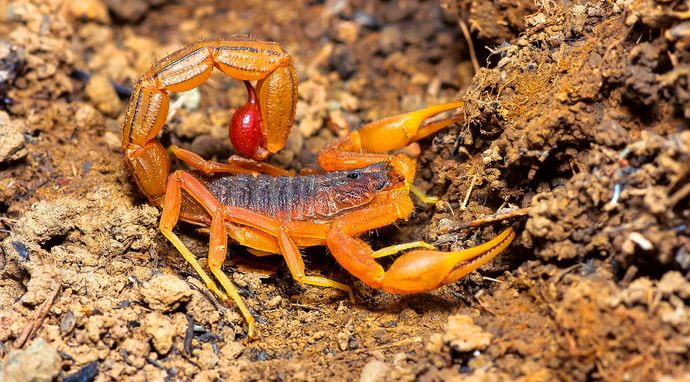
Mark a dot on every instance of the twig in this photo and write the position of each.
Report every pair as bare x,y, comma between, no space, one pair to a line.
127,245
679,195
470,45
483,305
37,321
309,307
492,219
566,271
396,344
8,222
617,188
196,284
463,206
188,336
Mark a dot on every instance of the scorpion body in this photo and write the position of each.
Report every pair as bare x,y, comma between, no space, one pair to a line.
303,198
362,186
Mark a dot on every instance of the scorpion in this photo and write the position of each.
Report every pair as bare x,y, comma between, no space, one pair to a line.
271,211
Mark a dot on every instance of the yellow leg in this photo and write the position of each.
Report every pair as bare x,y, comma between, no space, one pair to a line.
191,259
296,265
263,233
326,282
424,198
232,291
218,245
393,249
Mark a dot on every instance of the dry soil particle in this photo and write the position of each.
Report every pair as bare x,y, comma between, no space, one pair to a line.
626,205
12,145
40,362
165,293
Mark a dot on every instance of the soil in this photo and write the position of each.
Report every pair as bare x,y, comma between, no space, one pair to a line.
578,115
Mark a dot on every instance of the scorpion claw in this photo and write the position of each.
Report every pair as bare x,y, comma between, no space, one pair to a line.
398,131
415,271
424,270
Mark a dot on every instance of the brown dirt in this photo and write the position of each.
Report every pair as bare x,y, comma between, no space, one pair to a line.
580,115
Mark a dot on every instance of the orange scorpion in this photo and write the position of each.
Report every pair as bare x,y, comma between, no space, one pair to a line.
267,209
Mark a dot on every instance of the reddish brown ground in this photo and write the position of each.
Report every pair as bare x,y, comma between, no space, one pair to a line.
579,114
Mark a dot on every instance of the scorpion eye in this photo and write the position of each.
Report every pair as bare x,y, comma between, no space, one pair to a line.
353,175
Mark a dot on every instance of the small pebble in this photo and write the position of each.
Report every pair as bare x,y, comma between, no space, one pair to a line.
92,10
165,293
274,302
112,141
87,118
12,144
374,371
103,94
129,10
232,350
11,62
347,32
40,362
343,340
208,146
67,323
206,357
390,40
161,330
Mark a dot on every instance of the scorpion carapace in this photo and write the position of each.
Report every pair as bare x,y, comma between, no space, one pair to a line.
362,187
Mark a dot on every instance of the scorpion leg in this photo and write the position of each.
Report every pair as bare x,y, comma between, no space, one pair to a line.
217,250
181,180
261,243
413,272
259,167
235,165
293,258
177,182
169,217
286,235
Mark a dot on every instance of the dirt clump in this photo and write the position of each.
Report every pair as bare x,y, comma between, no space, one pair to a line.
165,293
40,362
12,144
